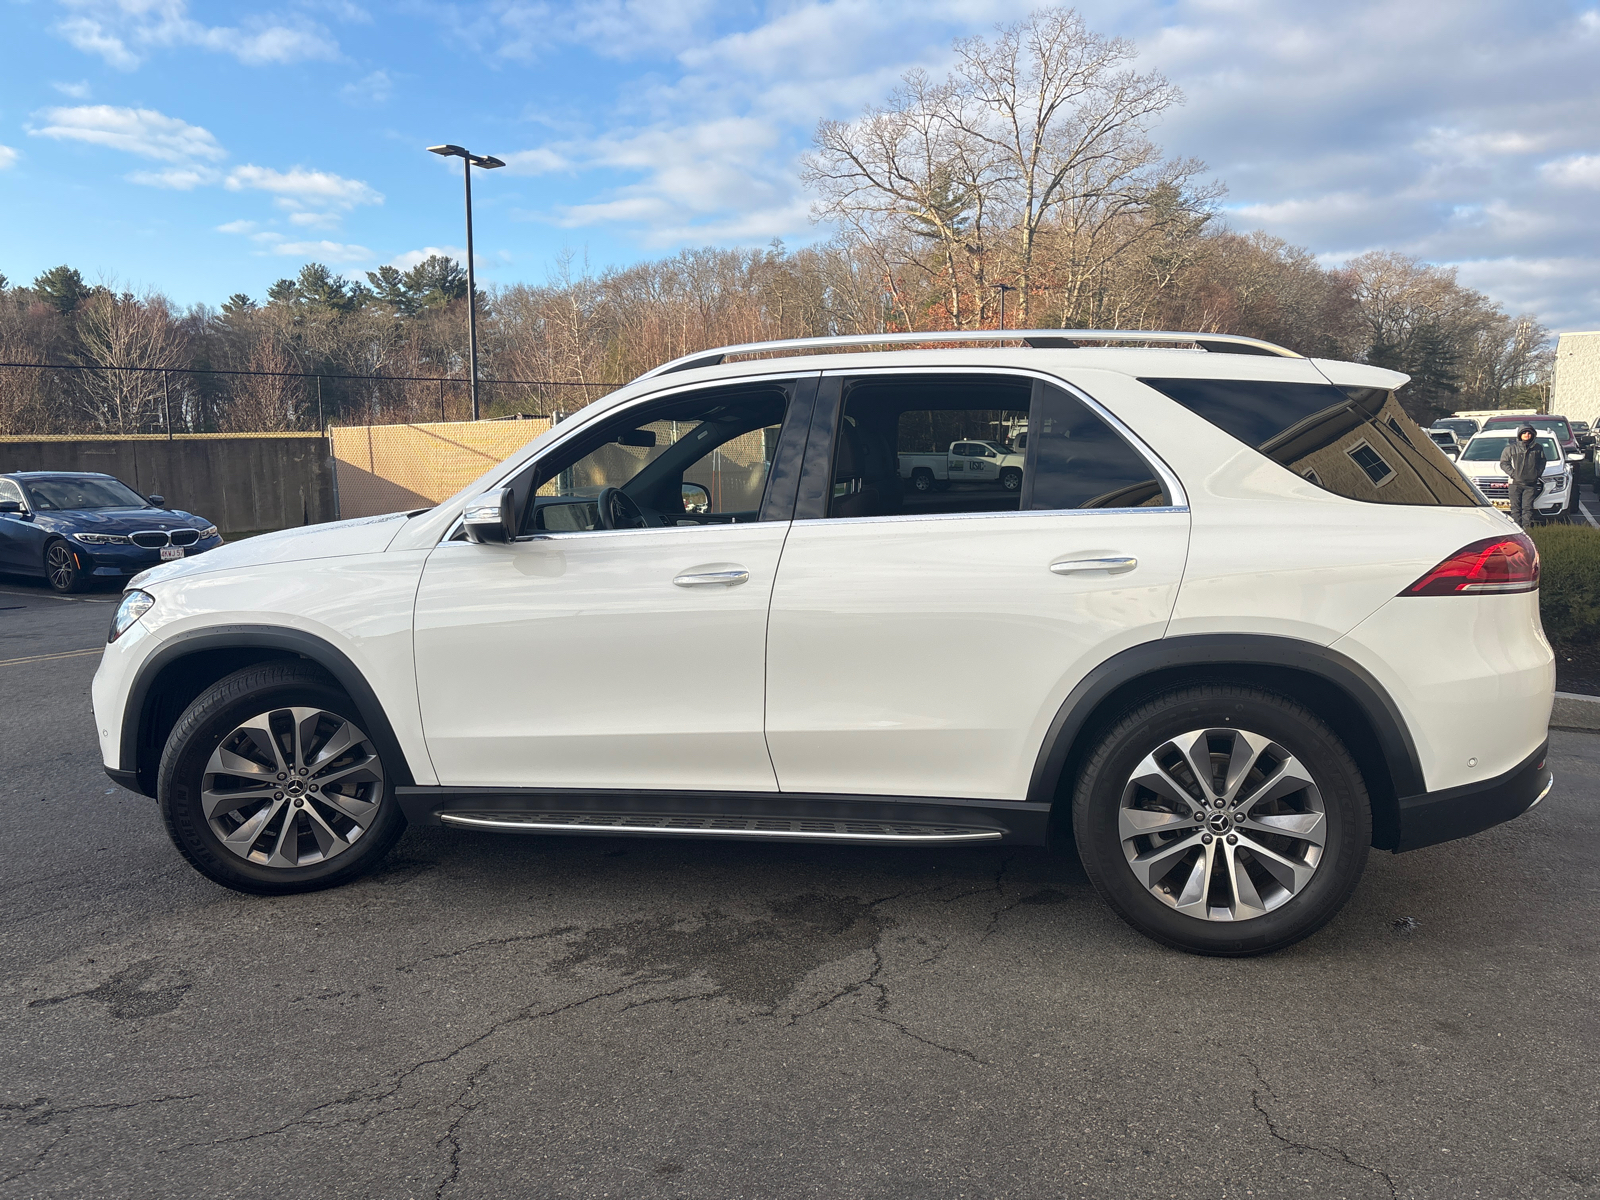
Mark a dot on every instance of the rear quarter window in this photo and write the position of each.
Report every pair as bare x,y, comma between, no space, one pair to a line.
1354,442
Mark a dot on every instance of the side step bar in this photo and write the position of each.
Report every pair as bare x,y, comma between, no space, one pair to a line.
782,828
771,816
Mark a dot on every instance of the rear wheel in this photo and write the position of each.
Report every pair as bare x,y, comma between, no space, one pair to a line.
1223,820
270,784
61,567
922,479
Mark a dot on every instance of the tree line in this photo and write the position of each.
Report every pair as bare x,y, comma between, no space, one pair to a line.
1029,172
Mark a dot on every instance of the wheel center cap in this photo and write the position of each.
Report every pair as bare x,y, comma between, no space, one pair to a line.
1219,823
294,787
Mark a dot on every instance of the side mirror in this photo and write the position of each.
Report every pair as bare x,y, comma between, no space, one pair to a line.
696,499
489,518
158,501
10,506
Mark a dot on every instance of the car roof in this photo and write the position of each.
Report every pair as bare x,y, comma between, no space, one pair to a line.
58,475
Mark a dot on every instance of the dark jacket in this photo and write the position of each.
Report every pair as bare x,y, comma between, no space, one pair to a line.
1523,462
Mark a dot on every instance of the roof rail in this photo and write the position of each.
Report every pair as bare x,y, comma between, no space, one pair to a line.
1042,339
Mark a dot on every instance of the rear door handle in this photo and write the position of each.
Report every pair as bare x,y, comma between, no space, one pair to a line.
1111,565
713,578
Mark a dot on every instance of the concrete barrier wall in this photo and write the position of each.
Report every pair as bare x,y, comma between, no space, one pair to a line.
241,482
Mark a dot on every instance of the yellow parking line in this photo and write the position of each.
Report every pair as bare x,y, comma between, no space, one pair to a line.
11,662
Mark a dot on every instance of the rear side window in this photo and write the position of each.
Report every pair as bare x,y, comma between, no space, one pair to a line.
1078,461
1355,442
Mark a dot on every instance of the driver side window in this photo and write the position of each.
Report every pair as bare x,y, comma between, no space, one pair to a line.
699,459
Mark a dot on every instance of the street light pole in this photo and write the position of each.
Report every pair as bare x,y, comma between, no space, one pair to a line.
1003,288
488,163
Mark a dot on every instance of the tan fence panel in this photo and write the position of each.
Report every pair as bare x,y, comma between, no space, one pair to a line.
391,468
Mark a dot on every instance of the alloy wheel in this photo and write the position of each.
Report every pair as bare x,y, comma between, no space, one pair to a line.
292,787
60,567
1222,824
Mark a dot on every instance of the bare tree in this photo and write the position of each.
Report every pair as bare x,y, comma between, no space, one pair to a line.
123,330
1063,118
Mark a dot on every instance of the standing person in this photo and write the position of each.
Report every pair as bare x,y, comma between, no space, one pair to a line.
1523,462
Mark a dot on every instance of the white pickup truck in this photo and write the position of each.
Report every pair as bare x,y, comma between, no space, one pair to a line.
964,462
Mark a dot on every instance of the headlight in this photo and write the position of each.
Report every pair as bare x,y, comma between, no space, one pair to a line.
1575,457
210,531
103,539
1558,484
134,605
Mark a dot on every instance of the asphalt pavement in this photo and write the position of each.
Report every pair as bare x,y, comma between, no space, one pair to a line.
494,1016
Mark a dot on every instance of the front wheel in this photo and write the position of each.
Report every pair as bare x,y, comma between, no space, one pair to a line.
61,569
1223,820
1011,479
269,784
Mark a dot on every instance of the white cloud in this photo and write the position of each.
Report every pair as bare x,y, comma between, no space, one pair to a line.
412,257
240,226
371,89
142,131
1579,170
315,220
123,32
180,179
301,186
78,91
8,157
333,252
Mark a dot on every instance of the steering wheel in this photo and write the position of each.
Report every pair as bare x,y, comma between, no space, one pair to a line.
618,511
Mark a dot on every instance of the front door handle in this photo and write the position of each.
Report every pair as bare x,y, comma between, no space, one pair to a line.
713,578
1111,565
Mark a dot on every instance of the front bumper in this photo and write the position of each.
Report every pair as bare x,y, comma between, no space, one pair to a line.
1458,812
116,562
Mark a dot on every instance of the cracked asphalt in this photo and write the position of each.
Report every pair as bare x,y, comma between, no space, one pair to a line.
564,1017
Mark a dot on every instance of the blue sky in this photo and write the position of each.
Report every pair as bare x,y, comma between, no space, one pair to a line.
203,148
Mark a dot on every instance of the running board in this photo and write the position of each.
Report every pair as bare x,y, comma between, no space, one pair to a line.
780,816
780,828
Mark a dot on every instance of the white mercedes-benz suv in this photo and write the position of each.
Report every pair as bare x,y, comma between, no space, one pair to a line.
1251,622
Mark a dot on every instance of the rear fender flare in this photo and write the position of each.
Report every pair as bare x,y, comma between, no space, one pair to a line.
1126,678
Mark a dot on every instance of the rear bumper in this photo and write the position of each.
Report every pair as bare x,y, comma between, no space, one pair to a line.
1459,812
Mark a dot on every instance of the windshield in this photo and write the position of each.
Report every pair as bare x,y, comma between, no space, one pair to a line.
83,493
1487,449
1000,447
1543,424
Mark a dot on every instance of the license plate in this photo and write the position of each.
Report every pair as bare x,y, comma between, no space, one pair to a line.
1506,504
171,552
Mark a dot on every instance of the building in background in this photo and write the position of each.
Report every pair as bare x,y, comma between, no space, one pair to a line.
1575,390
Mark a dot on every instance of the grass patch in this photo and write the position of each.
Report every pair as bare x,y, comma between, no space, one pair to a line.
1569,584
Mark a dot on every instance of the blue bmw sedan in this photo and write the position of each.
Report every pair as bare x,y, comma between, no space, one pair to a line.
71,527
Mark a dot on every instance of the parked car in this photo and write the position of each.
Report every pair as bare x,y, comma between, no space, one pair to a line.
964,462
1446,441
1267,626
1462,427
1556,427
1480,462
72,526
1585,435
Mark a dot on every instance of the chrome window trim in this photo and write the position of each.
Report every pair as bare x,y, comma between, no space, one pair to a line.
1175,489
984,516
579,426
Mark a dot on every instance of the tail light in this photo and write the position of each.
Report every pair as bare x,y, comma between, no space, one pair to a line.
1495,565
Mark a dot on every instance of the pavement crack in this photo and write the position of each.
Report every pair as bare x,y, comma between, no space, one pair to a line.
1331,1153
374,1096
870,980
917,1037
513,940
451,1135
41,1110
37,1161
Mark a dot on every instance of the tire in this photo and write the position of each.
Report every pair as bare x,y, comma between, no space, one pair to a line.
1270,886
922,479
61,567
1011,479
306,836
